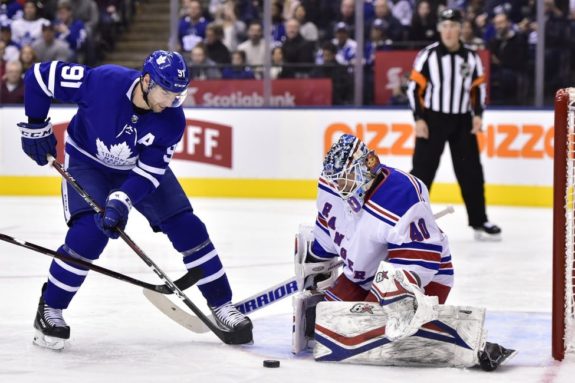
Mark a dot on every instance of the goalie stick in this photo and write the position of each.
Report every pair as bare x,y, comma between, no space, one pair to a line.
227,336
448,210
253,303
190,278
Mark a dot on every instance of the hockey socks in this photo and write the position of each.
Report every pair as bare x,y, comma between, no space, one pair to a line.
189,236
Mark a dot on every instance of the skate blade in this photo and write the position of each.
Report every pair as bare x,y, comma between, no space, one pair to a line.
508,357
484,237
49,342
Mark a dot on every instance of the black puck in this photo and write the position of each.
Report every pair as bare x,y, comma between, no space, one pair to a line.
271,363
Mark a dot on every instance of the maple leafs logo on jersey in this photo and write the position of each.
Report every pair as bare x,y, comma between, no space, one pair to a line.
117,155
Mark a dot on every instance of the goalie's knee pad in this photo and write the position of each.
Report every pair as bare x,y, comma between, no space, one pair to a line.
345,290
304,304
391,285
310,271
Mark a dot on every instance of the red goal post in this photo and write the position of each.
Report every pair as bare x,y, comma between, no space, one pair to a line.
563,316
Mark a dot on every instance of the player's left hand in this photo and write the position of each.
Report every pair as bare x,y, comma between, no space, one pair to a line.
115,214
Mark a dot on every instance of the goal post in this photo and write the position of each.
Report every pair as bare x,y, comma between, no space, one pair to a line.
563,314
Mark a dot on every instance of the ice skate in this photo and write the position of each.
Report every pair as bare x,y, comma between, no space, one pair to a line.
51,328
494,355
487,232
229,317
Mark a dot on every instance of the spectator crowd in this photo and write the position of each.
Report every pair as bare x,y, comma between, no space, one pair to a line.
223,39
44,30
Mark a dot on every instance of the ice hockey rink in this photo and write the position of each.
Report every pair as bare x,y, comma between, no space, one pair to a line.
118,336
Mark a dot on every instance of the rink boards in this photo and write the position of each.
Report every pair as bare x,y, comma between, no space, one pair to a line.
277,153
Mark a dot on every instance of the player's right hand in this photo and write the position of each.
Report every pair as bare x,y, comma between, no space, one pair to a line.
115,214
38,140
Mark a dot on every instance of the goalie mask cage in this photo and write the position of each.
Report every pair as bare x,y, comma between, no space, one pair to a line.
563,317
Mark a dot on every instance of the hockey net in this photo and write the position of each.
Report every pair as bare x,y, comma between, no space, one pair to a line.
563,331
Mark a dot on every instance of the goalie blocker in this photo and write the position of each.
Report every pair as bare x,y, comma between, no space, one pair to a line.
312,277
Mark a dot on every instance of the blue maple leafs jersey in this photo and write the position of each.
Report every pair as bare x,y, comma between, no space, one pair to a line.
106,130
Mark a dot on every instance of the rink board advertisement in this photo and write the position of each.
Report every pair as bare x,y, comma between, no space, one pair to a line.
278,153
249,93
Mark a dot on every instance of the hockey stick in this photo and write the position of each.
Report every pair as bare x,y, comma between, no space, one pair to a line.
225,335
186,281
250,304
255,302
448,210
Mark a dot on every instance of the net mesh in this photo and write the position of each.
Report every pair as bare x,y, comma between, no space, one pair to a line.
570,227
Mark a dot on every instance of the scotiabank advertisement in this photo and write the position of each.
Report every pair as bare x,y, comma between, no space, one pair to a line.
249,93
279,145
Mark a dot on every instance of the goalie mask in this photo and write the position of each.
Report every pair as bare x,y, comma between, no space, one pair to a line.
351,167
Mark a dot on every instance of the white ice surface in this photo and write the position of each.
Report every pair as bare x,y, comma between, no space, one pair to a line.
117,336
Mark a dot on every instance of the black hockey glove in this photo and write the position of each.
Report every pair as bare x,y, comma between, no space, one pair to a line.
115,214
38,140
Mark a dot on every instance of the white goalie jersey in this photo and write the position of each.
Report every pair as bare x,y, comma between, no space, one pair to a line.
395,224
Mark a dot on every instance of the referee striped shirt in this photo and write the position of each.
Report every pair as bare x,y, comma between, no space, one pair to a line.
447,82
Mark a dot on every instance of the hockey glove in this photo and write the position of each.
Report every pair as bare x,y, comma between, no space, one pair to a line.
38,140
115,214
313,271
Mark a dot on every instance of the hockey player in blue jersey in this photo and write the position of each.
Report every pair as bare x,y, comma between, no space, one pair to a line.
119,146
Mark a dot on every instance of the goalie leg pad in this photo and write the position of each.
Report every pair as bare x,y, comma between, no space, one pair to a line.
355,332
304,320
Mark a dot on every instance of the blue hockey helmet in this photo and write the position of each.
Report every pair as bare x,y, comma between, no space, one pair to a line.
351,167
169,71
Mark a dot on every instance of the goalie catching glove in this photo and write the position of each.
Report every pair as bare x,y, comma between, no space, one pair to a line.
401,297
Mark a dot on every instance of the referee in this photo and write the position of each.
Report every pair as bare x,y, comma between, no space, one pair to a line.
447,95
